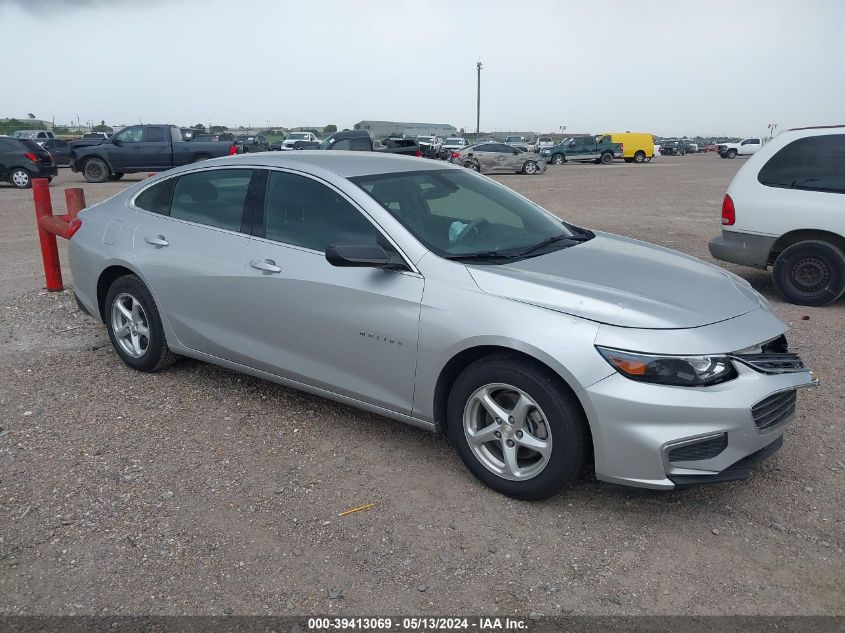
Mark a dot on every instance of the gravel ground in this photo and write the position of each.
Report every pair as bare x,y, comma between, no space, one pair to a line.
201,491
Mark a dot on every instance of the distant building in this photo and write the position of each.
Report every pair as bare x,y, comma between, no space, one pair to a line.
383,129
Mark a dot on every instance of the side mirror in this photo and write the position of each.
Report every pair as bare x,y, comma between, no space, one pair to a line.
115,141
357,255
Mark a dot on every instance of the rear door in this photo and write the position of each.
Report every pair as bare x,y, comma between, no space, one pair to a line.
351,331
190,244
487,156
126,149
750,146
156,152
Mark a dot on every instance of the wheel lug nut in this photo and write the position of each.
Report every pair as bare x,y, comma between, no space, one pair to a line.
510,443
497,434
511,419
498,420
519,433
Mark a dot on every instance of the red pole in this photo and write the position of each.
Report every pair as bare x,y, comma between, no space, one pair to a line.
75,199
49,249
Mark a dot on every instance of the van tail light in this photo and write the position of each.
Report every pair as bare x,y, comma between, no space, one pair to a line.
728,211
75,225
455,155
621,147
31,156
233,150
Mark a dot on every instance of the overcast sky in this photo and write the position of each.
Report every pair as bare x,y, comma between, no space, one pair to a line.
671,67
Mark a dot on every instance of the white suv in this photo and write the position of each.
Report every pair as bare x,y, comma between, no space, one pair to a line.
786,208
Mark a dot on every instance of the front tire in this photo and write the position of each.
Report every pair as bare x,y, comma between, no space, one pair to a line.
95,170
20,178
517,427
529,168
731,153
134,326
810,273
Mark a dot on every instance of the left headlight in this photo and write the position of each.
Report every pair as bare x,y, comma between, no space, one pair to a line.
681,371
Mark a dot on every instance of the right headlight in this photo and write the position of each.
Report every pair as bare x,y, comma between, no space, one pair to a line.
681,371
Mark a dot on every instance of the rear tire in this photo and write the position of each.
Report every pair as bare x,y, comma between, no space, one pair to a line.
810,273
557,159
20,178
606,158
552,417
472,166
200,157
639,157
134,326
95,170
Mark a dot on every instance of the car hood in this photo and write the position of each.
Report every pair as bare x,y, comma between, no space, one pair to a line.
623,282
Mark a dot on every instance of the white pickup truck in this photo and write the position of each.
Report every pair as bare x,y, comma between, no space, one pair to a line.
745,147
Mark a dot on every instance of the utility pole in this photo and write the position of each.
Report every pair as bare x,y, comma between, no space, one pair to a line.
478,104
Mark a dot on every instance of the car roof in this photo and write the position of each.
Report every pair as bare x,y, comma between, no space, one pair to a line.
346,164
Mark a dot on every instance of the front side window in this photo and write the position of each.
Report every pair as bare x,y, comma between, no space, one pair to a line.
214,197
456,213
304,212
130,135
815,163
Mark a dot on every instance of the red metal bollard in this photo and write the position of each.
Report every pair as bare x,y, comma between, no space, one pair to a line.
75,199
49,248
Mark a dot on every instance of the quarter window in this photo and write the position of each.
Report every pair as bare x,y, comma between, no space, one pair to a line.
815,163
303,212
214,197
157,198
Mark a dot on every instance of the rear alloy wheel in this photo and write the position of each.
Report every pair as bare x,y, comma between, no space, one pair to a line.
96,170
606,158
810,273
20,178
517,427
472,166
557,159
639,157
134,326
529,168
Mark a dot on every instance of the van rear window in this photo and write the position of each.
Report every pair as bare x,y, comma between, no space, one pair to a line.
813,163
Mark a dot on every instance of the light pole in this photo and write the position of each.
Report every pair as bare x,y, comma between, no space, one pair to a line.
478,104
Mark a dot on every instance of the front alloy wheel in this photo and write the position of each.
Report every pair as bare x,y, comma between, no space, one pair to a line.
507,431
529,168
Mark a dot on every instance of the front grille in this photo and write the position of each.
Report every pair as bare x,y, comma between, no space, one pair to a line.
705,449
775,409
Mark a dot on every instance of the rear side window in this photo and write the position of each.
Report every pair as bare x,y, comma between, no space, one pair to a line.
155,135
157,198
814,163
214,197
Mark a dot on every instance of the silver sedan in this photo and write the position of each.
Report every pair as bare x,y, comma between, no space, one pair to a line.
498,157
438,297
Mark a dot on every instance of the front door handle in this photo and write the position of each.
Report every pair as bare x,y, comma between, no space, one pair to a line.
267,265
156,240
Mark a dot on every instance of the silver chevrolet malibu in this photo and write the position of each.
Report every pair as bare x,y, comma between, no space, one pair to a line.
436,296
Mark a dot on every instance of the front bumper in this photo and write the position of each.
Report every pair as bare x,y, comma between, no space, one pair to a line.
637,425
745,249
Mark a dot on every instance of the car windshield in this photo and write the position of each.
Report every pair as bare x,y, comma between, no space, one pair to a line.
514,139
425,139
298,136
453,141
460,215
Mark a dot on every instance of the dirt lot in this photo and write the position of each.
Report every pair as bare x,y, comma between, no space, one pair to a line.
201,491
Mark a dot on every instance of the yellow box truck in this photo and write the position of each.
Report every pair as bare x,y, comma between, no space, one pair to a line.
637,147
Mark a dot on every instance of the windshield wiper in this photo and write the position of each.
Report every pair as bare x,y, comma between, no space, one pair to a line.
552,240
480,256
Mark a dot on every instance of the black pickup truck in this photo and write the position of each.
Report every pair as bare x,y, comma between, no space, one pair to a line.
144,148
361,141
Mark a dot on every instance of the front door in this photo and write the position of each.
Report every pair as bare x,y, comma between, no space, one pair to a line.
126,149
351,331
191,251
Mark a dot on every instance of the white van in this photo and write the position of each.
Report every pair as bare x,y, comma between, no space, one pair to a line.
785,208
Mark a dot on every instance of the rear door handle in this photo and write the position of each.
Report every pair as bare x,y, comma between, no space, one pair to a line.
267,265
156,240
